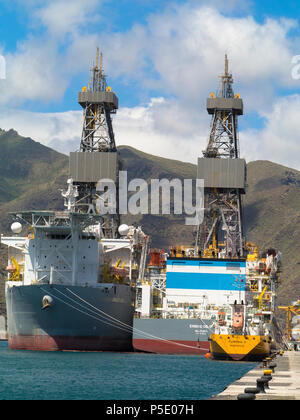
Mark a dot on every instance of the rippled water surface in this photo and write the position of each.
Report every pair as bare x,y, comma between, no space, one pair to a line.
30,375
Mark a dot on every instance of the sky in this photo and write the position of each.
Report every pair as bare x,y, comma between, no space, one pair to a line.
162,58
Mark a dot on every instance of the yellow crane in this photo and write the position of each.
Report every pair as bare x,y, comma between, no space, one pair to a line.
260,297
291,309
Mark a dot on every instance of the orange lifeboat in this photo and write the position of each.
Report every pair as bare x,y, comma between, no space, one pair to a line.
221,318
11,268
238,321
156,257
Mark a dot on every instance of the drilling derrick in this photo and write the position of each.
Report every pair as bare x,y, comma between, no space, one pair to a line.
224,174
97,157
98,102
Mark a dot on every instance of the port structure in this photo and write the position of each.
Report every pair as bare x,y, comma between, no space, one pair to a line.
96,158
224,174
291,309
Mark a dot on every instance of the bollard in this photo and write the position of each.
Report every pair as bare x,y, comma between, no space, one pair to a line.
250,396
266,379
251,390
260,383
272,366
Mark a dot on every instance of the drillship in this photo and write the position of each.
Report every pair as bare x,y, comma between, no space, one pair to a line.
193,291
71,273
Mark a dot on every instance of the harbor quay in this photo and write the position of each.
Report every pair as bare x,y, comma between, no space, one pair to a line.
284,383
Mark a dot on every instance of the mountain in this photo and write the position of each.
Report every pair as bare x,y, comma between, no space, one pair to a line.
272,218
32,175
165,230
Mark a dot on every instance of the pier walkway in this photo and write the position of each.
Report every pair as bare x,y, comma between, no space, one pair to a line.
284,385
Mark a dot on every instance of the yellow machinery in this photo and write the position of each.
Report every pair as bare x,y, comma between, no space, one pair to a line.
292,309
213,250
260,297
253,251
14,269
115,273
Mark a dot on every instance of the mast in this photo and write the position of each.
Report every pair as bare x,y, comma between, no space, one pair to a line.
224,174
97,156
98,104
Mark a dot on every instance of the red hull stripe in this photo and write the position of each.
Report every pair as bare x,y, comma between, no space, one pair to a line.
47,343
171,347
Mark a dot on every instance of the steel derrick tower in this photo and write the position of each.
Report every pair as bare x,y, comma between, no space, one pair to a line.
97,157
224,174
98,103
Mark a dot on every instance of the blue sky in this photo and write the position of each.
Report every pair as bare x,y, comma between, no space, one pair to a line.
275,9
162,58
114,19
118,17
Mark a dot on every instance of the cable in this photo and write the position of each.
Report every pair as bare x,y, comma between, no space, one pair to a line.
123,326
132,328
85,313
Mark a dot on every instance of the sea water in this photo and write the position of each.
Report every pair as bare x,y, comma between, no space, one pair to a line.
35,375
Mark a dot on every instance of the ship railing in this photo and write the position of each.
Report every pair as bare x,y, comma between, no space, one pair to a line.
62,214
10,283
179,313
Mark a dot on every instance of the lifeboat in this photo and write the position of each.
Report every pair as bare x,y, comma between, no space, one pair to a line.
221,318
238,321
11,268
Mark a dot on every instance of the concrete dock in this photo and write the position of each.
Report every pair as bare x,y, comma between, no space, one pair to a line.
284,385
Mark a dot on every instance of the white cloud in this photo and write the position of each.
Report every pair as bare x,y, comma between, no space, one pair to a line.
185,50
179,52
126,53
162,128
34,73
159,127
59,47
279,139
60,131
63,16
